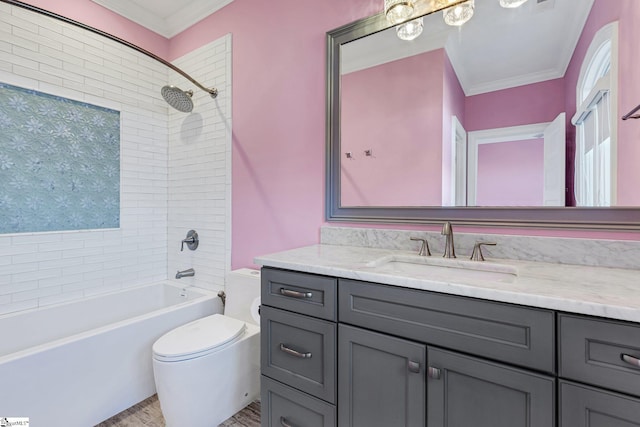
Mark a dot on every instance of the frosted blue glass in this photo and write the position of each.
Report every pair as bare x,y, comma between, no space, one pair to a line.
59,163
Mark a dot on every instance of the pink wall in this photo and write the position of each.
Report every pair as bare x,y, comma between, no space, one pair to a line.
511,173
627,12
394,109
94,15
523,105
279,111
278,115
453,104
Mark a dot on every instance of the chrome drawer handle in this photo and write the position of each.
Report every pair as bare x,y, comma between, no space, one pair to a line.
284,423
633,361
295,294
294,353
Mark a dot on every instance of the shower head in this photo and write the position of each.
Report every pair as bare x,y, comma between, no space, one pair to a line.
177,98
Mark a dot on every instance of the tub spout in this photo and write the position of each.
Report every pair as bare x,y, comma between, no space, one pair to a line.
185,273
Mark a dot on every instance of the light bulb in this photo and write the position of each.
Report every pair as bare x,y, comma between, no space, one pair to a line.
410,30
512,4
397,11
459,14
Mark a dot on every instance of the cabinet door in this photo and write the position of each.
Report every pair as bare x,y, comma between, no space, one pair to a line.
464,391
583,406
381,380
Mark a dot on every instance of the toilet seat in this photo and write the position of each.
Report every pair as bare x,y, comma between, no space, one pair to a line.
198,338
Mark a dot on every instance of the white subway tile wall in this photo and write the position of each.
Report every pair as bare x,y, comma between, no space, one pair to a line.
200,169
37,269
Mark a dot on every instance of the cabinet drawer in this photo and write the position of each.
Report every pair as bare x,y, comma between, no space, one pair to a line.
299,351
303,293
514,334
583,406
284,406
592,351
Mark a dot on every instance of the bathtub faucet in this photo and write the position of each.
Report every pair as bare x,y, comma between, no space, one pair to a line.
185,273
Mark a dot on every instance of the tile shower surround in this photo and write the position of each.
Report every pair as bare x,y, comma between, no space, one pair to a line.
38,269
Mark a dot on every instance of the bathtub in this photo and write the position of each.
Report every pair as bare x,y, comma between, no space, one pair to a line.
79,363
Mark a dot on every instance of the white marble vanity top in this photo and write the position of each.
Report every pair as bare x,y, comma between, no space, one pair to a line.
598,291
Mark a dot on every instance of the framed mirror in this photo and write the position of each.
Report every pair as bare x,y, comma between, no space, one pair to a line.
481,124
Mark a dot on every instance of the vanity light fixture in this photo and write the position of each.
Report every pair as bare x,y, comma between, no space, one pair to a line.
397,11
410,30
512,4
459,14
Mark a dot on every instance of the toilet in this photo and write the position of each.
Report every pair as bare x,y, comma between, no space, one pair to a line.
209,369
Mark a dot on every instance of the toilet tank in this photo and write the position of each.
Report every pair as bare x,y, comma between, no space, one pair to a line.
243,294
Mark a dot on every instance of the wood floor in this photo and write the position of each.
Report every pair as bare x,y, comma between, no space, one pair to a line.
148,414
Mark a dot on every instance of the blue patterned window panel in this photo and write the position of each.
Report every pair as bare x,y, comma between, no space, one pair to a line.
59,163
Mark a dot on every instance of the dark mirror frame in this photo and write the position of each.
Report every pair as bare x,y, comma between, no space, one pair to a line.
619,218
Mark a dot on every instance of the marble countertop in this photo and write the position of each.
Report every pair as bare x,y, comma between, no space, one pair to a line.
598,291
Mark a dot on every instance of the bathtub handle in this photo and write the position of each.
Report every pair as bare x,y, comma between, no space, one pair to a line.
295,294
284,423
294,353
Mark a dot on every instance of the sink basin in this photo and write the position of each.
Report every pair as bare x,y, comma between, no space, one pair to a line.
447,269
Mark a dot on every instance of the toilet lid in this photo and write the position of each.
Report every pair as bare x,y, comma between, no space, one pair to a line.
199,336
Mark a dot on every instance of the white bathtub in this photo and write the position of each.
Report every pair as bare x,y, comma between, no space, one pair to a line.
79,363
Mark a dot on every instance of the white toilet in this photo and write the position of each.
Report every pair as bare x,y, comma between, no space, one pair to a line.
209,369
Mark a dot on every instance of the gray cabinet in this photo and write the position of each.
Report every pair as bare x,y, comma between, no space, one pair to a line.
381,380
298,334
465,391
584,406
505,332
600,352
299,351
284,406
355,354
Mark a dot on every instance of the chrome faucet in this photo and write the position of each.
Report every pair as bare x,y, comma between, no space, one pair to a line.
449,250
185,273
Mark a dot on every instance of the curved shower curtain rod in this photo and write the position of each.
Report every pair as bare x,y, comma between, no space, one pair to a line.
211,91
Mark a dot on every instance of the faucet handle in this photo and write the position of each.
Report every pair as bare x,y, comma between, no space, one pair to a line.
424,247
191,240
476,255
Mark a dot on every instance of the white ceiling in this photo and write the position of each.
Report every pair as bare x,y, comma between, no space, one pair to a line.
497,49
165,17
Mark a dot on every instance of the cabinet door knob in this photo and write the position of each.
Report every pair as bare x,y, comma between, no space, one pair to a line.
433,373
414,367
295,294
294,353
633,361
284,423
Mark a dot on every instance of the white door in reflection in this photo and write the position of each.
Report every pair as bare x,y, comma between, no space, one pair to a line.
518,166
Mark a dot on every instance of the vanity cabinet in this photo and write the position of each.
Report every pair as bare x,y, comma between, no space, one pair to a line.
605,355
385,379
468,391
298,333
381,379
347,353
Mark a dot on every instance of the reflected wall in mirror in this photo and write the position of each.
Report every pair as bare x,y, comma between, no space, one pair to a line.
518,107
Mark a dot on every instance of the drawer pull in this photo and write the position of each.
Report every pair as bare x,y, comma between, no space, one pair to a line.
284,423
634,361
294,353
295,294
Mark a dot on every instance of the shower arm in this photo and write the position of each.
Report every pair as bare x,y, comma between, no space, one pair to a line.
211,91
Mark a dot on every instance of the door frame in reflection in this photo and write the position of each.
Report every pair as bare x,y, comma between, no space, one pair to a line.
554,159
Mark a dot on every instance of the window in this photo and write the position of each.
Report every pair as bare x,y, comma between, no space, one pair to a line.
595,135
